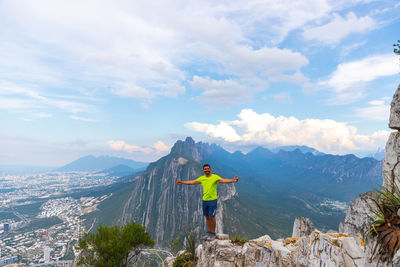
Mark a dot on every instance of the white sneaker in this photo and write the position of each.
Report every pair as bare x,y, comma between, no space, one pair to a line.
206,236
211,236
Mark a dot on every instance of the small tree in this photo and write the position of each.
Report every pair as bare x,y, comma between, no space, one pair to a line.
396,48
113,246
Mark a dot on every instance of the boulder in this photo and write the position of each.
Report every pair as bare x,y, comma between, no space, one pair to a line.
302,226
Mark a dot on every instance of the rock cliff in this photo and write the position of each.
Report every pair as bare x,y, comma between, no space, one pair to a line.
314,249
165,208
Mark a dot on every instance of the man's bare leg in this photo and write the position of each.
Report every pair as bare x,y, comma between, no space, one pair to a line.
209,223
212,225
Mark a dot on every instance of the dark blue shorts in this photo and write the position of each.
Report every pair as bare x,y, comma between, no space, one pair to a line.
210,207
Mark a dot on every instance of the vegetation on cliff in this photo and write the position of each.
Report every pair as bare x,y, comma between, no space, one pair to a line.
188,257
113,246
386,225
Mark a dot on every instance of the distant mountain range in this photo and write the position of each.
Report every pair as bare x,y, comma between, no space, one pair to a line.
275,188
121,170
379,154
303,149
92,163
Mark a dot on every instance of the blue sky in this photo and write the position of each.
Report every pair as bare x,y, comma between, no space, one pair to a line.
128,79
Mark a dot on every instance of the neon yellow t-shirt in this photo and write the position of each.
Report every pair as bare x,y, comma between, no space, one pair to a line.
209,186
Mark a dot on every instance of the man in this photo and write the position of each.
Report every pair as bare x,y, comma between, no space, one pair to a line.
209,182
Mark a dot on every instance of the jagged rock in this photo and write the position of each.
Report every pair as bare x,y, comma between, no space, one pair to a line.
302,226
316,249
359,215
222,236
391,166
168,262
357,221
261,240
394,119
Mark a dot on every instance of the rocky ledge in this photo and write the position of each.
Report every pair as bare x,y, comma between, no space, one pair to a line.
315,249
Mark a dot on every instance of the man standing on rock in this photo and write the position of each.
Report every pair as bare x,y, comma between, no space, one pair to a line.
209,182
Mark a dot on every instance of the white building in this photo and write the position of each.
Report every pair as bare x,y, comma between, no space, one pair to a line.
46,251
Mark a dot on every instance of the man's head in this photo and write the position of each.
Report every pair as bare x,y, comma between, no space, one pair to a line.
207,169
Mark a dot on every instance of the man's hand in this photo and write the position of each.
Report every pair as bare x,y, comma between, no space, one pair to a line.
228,181
178,182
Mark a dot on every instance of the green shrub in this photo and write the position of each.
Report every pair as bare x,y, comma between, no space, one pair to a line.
188,258
386,222
238,240
185,260
175,246
112,246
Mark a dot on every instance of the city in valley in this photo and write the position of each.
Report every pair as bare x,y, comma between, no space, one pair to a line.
41,215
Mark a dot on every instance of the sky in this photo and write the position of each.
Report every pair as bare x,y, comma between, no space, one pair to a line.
130,78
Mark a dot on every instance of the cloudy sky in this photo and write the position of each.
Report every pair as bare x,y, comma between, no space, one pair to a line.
129,79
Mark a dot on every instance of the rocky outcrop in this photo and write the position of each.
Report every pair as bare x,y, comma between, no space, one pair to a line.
394,119
391,160
302,227
359,214
316,249
390,166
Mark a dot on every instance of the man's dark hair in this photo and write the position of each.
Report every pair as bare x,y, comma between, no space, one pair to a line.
206,165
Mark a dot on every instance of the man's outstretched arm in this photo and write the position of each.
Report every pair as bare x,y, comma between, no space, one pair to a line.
179,182
227,181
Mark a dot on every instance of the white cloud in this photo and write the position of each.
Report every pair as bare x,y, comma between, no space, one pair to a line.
376,110
283,98
149,49
328,136
173,89
119,145
160,147
338,28
20,97
222,130
134,92
42,115
79,118
349,79
224,92
145,52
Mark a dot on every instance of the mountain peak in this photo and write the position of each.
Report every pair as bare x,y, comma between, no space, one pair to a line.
186,149
189,140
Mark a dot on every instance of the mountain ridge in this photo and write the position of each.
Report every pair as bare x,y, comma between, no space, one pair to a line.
265,196
92,163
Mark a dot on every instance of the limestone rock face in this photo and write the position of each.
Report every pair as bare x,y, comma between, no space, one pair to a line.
316,249
302,227
358,216
391,166
165,208
394,119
